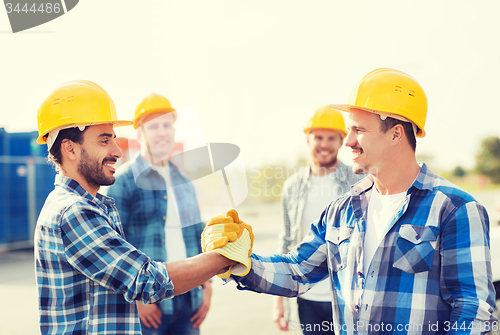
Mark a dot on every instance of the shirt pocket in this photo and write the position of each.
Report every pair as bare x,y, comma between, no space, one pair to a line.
415,248
337,240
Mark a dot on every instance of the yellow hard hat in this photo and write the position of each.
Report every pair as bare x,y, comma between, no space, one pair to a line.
327,118
390,93
153,103
75,104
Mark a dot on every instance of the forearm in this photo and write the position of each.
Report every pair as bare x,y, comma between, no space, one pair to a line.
263,278
291,274
194,271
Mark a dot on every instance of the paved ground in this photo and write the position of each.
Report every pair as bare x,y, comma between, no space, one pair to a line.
232,311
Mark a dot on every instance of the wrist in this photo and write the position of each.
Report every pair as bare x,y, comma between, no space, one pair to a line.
223,261
227,261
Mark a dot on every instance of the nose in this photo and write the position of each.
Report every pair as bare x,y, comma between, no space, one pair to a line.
322,143
116,151
350,139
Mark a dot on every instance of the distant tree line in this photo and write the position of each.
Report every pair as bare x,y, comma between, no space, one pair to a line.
488,159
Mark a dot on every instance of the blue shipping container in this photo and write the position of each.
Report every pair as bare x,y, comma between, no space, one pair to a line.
26,178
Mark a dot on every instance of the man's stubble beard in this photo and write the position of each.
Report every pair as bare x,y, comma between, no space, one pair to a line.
92,172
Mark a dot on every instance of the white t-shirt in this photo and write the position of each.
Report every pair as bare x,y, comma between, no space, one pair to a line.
381,211
174,240
323,190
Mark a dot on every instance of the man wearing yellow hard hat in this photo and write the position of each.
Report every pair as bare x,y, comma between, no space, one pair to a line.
88,276
405,251
304,195
162,221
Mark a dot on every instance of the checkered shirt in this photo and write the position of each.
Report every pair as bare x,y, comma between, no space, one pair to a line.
431,273
88,275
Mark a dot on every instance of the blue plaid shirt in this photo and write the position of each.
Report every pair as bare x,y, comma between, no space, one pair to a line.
88,275
431,273
141,198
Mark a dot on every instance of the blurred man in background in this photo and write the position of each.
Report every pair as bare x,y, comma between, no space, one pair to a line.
306,194
157,218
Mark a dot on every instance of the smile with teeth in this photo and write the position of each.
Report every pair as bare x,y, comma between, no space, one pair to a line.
356,152
109,165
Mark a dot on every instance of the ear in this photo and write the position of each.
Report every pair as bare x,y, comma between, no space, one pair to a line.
397,133
70,150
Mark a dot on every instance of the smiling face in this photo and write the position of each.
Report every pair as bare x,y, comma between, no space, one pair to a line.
156,136
99,152
368,143
324,145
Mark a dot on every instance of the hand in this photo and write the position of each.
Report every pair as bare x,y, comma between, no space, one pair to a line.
202,311
219,234
279,314
149,314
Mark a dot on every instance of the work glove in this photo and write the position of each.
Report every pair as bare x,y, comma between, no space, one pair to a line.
232,238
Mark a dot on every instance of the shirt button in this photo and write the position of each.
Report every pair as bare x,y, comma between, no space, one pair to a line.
357,307
359,273
373,272
417,237
165,197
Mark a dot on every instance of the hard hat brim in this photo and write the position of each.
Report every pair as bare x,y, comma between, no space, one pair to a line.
42,139
307,130
136,121
347,108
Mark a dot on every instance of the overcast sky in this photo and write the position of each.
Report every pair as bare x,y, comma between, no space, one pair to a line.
256,70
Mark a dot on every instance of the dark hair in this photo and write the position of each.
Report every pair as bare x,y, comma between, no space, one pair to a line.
390,122
72,134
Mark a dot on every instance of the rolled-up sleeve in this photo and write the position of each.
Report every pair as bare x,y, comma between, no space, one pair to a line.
294,273
97,251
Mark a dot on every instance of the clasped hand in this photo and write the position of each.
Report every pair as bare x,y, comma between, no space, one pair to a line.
232,238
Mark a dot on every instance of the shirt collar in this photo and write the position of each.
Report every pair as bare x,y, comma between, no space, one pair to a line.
72,185
425,178
139,165
424,181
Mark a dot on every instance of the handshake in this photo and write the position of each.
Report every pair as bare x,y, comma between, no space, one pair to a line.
232,238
